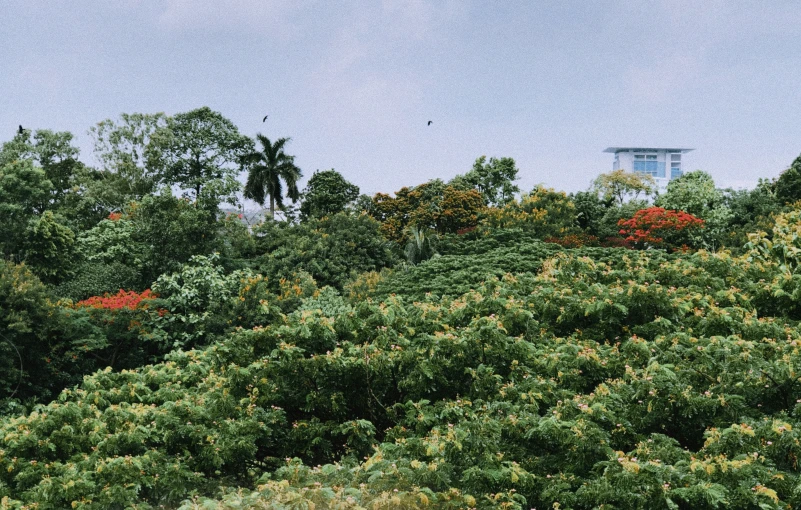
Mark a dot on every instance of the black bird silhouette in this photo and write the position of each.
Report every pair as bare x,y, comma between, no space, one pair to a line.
429,122
265,118
21,130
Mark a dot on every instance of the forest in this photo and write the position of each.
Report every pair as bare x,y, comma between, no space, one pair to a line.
452,344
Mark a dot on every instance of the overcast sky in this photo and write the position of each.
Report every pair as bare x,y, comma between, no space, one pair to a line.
549,83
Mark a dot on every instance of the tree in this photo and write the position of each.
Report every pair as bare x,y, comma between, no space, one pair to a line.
432,205
544,212
170,230
199,151
49,247
332,249
121,147
620,185
590,210
494,179
266,169
326,193
751,211
695,193
51,151
788,186
24,195
657,226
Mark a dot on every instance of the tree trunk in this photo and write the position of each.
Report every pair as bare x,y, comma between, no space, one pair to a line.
272,207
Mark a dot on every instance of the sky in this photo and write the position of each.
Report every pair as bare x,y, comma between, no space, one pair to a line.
354,83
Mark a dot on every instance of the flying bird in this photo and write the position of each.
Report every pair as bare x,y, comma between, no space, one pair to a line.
265,118
429,122
21,130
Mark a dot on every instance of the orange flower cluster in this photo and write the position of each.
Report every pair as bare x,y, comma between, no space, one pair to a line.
653,224
122,299
114,216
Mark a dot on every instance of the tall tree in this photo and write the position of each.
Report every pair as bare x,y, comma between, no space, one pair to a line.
199,149
266,169
494,179
120,147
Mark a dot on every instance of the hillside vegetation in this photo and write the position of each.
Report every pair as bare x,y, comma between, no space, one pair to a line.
451,346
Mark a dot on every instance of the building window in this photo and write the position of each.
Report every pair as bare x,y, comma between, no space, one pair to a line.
675,158
675,170
646,163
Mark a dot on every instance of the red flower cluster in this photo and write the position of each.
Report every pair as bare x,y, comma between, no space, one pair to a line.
652,225
122,299
114,216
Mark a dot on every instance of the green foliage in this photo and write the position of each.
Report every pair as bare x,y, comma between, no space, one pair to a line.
751,211
98,278
266,171
494,179
24,192
199,150
53,152
169,231
629,379
544,212
36,356
421,244
331,249
788,185
200,298
326,193
695,193
49,247
121,148
307,372
620,186
433,205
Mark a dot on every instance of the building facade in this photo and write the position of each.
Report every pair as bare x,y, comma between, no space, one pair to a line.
663,164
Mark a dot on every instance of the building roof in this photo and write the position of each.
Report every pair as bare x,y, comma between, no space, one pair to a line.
615,150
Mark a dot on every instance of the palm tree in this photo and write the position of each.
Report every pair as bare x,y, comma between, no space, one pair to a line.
266,169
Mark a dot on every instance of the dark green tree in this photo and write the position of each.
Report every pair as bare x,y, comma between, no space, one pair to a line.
24,195
266,169
169,231
326,193
590,210
788,186
199,151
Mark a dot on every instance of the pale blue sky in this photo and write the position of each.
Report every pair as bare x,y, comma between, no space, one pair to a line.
549,83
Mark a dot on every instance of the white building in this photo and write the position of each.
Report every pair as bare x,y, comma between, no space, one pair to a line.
663,164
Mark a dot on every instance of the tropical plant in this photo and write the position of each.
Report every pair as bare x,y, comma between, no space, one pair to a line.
266,169
421,244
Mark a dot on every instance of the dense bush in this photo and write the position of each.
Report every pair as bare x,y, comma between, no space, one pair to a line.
332,249
625,379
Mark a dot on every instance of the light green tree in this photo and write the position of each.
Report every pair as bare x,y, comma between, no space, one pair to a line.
618,186
494,179
120,146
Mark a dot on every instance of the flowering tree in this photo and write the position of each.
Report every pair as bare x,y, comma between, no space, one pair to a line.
122,332
657,226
